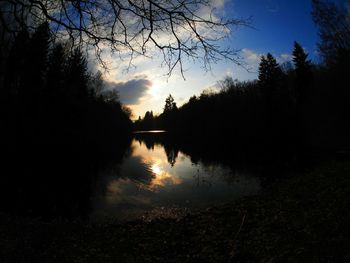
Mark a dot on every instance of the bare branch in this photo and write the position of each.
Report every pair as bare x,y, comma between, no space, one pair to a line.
179,29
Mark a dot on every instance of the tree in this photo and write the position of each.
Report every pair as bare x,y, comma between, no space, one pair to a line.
37,56
270,72
15,67
303,73
148,116
170,104
178,29
334,29
77,77
300,60
55,73
276,99
148,120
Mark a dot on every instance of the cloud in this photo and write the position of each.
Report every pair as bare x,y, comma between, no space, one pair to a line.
218,3
250,55
132,91
284,58
253,58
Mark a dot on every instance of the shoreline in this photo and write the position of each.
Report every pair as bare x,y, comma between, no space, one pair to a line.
300,219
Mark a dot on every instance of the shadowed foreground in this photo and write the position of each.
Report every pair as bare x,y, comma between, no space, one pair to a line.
301,219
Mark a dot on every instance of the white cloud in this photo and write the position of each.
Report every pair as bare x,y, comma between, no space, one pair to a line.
218,3
251,56
284,58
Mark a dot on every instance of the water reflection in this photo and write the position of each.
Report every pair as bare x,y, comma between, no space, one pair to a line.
158,175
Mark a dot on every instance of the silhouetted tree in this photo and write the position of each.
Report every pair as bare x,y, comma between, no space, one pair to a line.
169,115
334,29
99,24
97,87
148,116
37,61
170,104
77,78
270,73
53,125
15,70
55,82
303,73
270,80
332,78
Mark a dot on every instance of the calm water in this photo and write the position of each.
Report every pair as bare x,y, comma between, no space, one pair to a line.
157,178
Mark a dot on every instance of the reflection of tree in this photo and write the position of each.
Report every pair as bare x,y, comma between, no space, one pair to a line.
148,143
171,154
150,139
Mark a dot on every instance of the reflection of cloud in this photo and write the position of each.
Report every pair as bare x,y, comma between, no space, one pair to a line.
114,187
163,178
137,170
158,167
124,191
132,91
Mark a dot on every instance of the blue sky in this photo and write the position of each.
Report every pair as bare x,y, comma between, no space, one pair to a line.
277,24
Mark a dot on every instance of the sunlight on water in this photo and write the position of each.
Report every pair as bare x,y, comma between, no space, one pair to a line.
152,131
155,176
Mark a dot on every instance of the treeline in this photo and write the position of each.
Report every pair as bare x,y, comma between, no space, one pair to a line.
59,126
295,106
49,97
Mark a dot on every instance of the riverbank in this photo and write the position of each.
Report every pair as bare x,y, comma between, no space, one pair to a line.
300,219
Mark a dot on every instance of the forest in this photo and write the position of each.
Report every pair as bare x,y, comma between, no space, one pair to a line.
254,171
49,97
59,122
299,106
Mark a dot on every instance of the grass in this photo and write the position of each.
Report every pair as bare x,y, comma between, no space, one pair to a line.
304,218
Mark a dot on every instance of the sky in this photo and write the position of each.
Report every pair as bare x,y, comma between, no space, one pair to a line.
276,24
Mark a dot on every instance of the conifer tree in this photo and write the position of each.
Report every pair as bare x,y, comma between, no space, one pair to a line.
77,77
37,61
170,104
270,75
55,73
303,73
334,29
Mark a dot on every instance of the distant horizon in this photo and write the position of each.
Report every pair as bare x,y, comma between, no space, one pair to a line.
275,27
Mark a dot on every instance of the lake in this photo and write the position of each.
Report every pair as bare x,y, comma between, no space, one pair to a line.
152,174
156,178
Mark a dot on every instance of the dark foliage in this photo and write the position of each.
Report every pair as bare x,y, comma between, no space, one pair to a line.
295,109
57,125
334,29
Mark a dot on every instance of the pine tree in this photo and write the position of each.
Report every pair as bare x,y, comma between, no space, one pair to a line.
170,104
55,73
334,30
77,76
15,67
303,73
270,74
300,60
37,61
